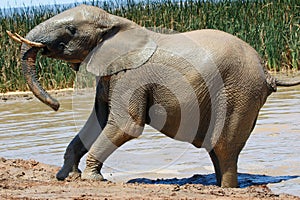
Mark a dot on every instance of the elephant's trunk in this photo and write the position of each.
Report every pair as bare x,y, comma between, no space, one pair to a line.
28,56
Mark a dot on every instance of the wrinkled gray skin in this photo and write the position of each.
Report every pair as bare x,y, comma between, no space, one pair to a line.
210,84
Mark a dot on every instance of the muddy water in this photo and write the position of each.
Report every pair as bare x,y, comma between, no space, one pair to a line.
30,130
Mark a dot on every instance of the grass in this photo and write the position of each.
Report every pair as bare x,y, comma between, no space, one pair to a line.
272,27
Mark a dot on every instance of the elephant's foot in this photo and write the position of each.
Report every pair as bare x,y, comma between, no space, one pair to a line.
62,174
92,170
91,175
68,170
68,167
73,154
74,174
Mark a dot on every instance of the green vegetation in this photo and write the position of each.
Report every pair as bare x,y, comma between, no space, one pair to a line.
272,27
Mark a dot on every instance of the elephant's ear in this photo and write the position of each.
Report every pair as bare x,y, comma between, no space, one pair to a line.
124,50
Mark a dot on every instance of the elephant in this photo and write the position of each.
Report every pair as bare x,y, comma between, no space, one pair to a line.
204,87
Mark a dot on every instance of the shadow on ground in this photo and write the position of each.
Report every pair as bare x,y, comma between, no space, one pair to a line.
245,180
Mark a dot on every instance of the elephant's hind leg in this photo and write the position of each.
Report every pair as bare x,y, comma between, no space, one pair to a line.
225,153
216,164
225,164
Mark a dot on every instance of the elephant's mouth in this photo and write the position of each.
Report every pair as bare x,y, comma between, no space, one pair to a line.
51,52
74,63
45,51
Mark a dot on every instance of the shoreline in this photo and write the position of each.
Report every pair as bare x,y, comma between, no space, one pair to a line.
30,179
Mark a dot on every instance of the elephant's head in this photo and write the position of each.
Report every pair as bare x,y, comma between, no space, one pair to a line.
71,36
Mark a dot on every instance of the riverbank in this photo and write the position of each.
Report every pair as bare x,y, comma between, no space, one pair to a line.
29,179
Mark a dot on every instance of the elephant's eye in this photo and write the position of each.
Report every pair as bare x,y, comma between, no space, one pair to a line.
71,30
61,46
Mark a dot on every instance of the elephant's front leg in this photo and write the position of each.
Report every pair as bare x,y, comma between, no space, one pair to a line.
108,141
87,135
73,154
79,146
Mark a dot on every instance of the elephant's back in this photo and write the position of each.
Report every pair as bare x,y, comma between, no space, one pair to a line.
208,44
233,57
239,65
214,39
221,45
206,55
244,72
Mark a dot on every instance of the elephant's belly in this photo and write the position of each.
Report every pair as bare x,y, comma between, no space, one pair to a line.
182,122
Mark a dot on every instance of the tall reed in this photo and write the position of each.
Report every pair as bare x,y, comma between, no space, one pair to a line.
270,26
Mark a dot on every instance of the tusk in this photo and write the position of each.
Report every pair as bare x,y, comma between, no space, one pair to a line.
13,36
20,39
30,43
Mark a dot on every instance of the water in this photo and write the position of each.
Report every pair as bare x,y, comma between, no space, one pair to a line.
30,130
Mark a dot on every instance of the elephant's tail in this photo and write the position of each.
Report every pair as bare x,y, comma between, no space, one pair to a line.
274,82
286,83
